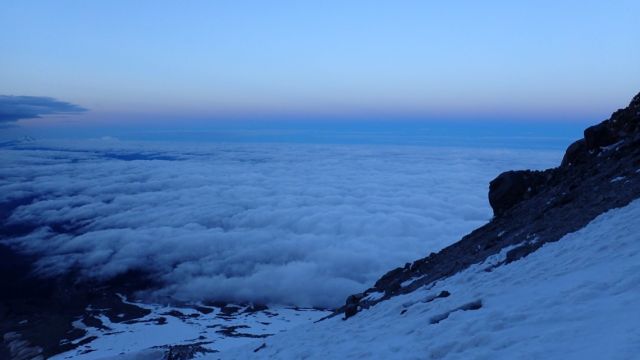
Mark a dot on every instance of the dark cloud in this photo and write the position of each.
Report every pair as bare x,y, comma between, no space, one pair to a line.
14,108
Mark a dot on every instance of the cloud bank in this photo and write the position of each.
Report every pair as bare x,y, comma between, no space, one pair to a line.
14,108
289,224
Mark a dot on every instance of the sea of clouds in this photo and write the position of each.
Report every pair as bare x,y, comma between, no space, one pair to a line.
272,223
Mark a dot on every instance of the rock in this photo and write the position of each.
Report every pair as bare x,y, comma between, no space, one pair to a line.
620,125
355,298
576,153
511,187
520,252
598,136
352,305
386,280
393,286
230,309
441,294
350,310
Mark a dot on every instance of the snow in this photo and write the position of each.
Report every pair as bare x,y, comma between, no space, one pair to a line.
375,296
612,146
139,338
573,299
407,282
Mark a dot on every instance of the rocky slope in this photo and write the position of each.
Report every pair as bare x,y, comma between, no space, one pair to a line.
531,208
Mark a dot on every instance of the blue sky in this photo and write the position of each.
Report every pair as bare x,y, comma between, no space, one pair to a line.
148,62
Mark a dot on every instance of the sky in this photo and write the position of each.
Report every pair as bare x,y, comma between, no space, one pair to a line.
194,64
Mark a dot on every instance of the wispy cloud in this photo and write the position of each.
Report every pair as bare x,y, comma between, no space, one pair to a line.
14,108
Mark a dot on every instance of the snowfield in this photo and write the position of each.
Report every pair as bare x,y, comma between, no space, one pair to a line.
573,299
149,336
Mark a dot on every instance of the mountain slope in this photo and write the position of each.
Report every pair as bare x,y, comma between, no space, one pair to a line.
571,299
598,173
554,292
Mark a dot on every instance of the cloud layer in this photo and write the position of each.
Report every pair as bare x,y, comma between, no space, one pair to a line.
14,108
292,224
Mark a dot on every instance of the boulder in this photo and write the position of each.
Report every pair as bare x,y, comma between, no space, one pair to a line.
352,305
598,136
389,279
511,187
576,153
350,310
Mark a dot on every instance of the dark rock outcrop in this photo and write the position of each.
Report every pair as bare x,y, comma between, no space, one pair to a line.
576,153
352,305
512,187
598,136
598,173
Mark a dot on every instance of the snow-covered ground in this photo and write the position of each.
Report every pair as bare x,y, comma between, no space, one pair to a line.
212,328
573,299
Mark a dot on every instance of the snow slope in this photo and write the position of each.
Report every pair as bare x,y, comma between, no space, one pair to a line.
573,299
170,326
